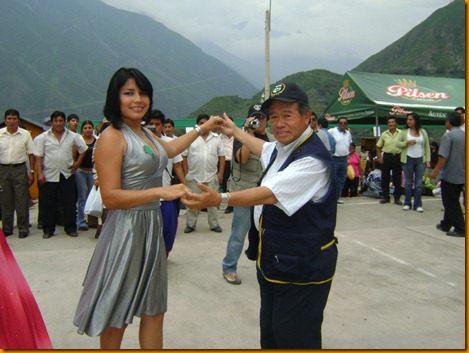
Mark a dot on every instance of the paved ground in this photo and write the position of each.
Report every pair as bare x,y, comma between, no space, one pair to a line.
400,283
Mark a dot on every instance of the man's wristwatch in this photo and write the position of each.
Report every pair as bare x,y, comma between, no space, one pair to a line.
225,198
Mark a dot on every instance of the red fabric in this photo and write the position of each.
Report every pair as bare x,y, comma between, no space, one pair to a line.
21,323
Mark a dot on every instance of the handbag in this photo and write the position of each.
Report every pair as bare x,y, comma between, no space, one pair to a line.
350,172
94,203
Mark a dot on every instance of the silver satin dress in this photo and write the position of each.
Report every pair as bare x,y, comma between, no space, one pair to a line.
127,275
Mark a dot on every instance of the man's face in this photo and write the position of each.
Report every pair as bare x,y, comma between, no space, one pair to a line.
463,116
58,124
158,126
287,122
12,122
168,130
313,123
392,124
342,123
200,123
73,124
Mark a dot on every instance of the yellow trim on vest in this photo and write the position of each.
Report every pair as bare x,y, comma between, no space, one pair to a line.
260,243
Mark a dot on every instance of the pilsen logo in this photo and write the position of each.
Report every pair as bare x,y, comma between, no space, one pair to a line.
409,89
346,94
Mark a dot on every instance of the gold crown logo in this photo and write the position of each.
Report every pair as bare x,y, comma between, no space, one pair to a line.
406,83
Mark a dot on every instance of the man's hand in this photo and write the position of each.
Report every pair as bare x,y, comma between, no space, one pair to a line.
208,198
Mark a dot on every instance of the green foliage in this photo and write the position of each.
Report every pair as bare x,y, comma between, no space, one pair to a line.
435,47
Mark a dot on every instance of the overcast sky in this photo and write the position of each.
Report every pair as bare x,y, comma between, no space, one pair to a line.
336,35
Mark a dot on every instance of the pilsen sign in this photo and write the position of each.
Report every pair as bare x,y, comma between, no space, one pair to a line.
369,98
409,89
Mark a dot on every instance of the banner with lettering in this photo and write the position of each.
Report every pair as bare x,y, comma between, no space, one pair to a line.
361,97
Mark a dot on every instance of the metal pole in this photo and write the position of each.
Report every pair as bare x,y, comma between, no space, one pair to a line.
267,53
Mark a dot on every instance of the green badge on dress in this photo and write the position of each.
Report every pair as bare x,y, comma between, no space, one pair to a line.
147,149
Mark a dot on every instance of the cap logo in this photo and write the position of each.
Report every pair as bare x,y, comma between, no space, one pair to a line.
257,107
278,89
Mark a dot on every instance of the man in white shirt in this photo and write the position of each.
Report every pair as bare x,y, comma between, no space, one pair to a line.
169,209
292,239
16,154
343,139
55,172
200,163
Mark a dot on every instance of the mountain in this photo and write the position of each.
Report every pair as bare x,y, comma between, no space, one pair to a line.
435,47
60,55
318,84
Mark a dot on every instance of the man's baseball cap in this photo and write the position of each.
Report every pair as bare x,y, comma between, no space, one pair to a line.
256,109
286,92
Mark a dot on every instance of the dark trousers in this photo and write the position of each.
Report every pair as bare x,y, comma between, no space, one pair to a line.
391,163
291,315
14,184
453,217
226,176
50,192
350,187
340,169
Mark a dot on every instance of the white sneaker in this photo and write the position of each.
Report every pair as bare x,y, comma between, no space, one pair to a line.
419,209
406,208
232,277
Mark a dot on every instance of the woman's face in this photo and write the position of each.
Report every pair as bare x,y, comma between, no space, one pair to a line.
134,103
352,149
87,130
410,122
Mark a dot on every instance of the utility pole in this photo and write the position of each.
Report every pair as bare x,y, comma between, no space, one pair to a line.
267,53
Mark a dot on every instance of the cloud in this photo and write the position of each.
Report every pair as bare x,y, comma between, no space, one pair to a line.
330,34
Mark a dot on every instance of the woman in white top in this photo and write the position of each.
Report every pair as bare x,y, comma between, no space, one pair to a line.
415,156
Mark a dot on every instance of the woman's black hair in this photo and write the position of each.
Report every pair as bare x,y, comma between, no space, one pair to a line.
86,122
111,108
416,118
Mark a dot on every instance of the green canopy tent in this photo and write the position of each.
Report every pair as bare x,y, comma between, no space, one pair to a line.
369,99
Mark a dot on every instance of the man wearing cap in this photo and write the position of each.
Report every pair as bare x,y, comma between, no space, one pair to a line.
292,239
16,153
245,172
343,139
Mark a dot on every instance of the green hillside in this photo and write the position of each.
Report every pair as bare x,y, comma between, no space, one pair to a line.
60,55
435,47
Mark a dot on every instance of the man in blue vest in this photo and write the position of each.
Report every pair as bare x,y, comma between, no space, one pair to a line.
292,238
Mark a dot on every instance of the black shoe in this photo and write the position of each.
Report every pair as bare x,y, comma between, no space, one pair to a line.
440,227
73,233
7,234
84,228
398,202
229,209
189,229
23,235
47,235
383,201
216,229
455,233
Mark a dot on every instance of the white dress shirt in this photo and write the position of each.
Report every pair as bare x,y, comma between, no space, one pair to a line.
343,141
15,148
202,158
169,168
58,155
303,180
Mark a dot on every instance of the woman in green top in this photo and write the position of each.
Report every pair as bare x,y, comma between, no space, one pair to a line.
415,156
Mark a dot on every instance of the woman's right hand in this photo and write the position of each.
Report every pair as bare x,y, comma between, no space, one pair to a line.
215,123
173,192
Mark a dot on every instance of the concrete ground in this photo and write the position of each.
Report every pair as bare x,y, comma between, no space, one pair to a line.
400,284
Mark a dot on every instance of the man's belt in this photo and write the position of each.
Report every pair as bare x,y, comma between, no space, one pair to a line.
392,154
339,156
13,165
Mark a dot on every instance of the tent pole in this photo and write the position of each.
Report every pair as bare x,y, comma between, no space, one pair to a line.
377,122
